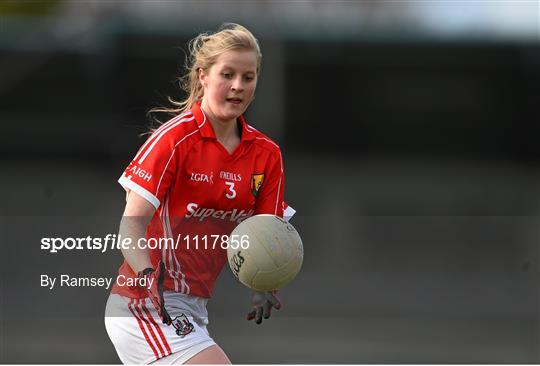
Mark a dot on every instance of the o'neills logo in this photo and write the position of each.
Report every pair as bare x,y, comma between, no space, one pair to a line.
230,176
194,211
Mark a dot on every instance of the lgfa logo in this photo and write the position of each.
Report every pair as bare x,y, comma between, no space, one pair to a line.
201,177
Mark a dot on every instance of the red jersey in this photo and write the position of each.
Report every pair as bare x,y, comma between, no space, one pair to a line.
200,191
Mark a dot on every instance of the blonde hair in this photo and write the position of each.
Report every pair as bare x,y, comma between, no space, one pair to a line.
203,53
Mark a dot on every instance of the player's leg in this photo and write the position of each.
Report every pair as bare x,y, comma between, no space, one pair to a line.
212,355
139,337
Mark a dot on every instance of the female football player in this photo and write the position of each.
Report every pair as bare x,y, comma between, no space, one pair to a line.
195,178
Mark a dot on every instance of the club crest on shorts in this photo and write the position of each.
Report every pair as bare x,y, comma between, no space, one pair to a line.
182,325
256,183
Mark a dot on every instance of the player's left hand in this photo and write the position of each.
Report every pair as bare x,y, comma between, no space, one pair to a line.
263,302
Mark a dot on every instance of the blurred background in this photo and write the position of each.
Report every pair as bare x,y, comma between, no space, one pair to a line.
410,132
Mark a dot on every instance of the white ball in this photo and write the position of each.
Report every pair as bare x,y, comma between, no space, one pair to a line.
265,252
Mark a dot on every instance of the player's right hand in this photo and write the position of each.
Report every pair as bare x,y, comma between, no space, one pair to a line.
154,287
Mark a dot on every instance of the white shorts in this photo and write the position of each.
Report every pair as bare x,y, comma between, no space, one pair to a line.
140,337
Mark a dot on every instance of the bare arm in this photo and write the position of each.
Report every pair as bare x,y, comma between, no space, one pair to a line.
137,215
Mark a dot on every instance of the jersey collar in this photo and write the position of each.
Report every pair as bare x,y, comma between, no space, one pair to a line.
207,131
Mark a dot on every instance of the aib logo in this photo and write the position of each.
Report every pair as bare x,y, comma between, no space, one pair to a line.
237,260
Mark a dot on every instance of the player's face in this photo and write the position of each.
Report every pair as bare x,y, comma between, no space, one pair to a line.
229,85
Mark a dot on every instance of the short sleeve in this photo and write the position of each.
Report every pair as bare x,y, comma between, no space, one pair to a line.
270,194
288,211
151,173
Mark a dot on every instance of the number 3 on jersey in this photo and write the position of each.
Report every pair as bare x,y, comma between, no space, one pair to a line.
232,193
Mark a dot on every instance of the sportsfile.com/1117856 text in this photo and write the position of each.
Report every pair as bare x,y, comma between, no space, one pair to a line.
117,242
